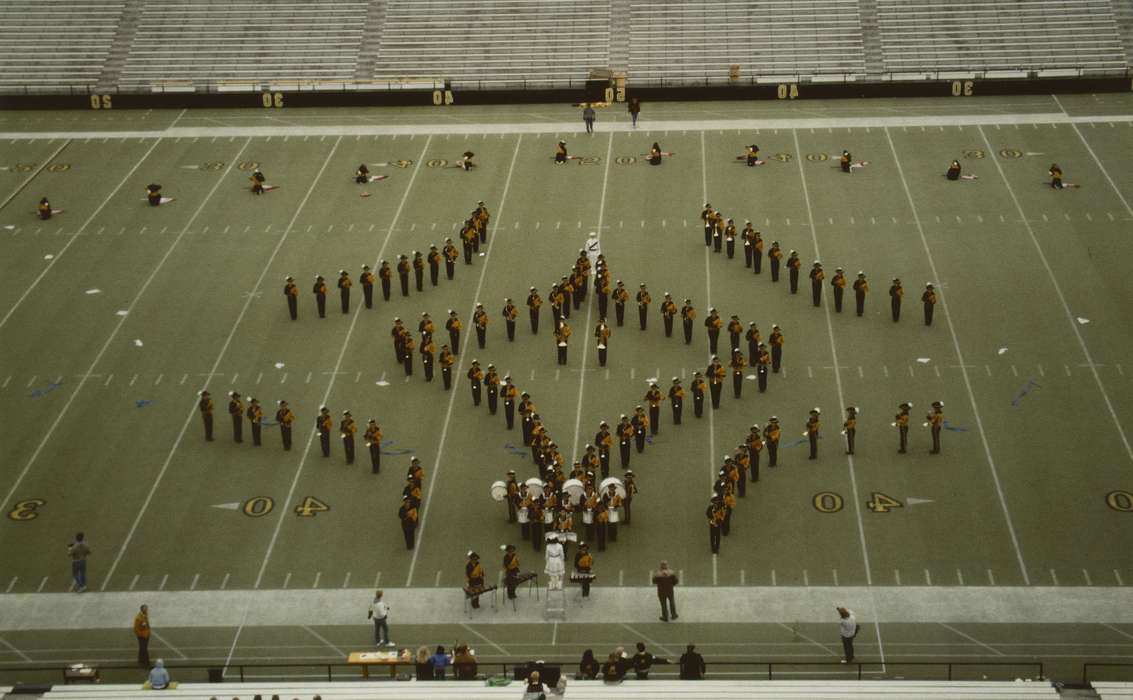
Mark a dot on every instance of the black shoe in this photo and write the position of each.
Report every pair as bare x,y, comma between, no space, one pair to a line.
664,619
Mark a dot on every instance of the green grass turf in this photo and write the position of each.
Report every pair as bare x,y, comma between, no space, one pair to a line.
1056,454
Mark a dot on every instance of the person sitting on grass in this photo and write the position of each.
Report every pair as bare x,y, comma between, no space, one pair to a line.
954,172
465,664
153,195
158,676
45,211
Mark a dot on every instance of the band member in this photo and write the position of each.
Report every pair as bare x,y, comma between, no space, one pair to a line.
688,315
407,348
753,338
434,259
153,195
850,428
44,209
861,286
895,294
625,439
236,411
715,514
631,491
654,397
534,301
735,330
510,393
418,271
708,216
816,278
698,394
475,377
367,280
730,239
465,163
323,424
676,399
450,255
776,339
561,153
473,577
901,423
373,439
715,374
562,336
643,300
480,322
793,265
291,292
255,416
774,255
738,364
603,440
757,252
480,218
285,418
848,164
812,424
771,434
762,363
259,183
954,172
346,429
492,382
205,406
612,501
1056,182
640,423
535,518
510,313
713,324
511,570
453,326
748,237
385,275
407,513
602,337
754,448
935,421
320,292
621,296
668,311
583,566
344,285
928,298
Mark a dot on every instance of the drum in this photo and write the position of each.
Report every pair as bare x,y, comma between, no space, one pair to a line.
613,514
499,491
548,517
522,516
575,489
534,482
618,486
588,517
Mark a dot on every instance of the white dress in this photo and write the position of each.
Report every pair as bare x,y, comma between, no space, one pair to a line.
556,565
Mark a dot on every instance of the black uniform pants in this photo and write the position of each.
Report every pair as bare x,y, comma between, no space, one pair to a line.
654,419
757,261
698,404
446,376
671,612
419,278
467,252
677,406
713,341
639,440
454,341
602,355
688,331
407,360
481,336
562,354
321,303
619,312
427,363
668,325
895,308
434,274
935,439
753,463
207,418
409,529
450,268
285,434
604,463
812,437
510,582
324,442
510,329
375,457
344,298
385,288
368,295
928,309
859,301
623,445
475,393
237,427
772,453
747,255
716,388
642,315
493,399
730,248
509,413
537,533
534,314
708,231
775,269
793,274
737,383
816,292
603,304
850,440
601,528
714,538
838,294
293,307
348,448
257,431
776,357
404,278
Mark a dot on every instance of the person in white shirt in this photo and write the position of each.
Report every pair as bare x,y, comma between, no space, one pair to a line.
379,613
848,629
556,564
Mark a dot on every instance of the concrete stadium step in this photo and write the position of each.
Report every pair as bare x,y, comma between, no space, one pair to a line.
120,45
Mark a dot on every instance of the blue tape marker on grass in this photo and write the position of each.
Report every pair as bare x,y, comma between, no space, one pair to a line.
1027,388
142,403
43,392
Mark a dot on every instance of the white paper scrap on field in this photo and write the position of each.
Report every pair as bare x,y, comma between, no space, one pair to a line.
923,360
121,312
382,382
279,365
1083,321
138,342
1003,351
49,256
94,291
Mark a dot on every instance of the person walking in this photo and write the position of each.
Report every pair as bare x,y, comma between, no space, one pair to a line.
588,116
692,665
79,551
379,613
634,109
848,629
666,579
142,633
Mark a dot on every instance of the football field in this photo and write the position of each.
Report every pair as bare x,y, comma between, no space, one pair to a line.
114,315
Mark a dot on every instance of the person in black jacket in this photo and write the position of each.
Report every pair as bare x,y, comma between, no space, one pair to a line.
643,661
692,665
588,666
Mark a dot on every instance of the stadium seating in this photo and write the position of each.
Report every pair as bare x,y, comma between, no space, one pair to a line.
494,43
919,36
696,42
52,44
584,690
1113,691
210,41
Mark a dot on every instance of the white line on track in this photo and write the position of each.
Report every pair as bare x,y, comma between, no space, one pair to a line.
219,357
654,642
341,352
121,321
172,648
590,310
460,366
14,650
29,288
1065,304
841,398
971,639
472,630
960,357
323,639
800,635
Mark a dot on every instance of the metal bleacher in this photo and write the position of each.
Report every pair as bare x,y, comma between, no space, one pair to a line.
1113,690
696,42
494,43
928,36
218,41
55,44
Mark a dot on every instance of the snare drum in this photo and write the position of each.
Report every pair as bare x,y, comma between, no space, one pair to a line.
588,517
613,513
522,516
548,517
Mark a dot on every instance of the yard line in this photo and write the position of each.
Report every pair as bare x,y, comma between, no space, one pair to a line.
28,290
472,630
224,581
172,648
12,584
960,357
322,639
590,309
708,305
1117,576
1122,633
113,334
161,586
223,349
19,653
460,366
972,639
800,635
23,185
1065,305
42,584
318,577
193,583
841,401
1101,167
236,637
1086,575
341,354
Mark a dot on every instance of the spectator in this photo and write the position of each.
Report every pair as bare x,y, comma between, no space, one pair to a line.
142,632
612,669
465,664
847,629
643,661
441,661
535,689
692,665
665,579
588,667
379,613
79,551
158,676
588,117
634,109
424,664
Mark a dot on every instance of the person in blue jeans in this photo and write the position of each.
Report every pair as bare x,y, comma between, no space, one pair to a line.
79,551
441,661
379,613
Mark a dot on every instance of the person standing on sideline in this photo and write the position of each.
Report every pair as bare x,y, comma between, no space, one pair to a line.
634,109
848,629
142,632
379,613
588,117
692,665
79,551
666,579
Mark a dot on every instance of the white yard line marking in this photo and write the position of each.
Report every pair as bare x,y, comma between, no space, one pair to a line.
498,648
114,333
460,366
193,583
27,181
44,583
12,584
235,638
224,581
287,580
29,288
326,642
1101,167
216,364
802,636
1117,577
960,357
172,648
971,639
1121,632
164,579
1065,304
960,577
318,577
16,651
590,311
841,401
647,640
1086,575
341,352
134,581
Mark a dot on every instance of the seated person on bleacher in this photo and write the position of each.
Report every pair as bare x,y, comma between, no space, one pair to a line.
614,669
424,665
535,689
588,667
158,676
465,664
441,661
